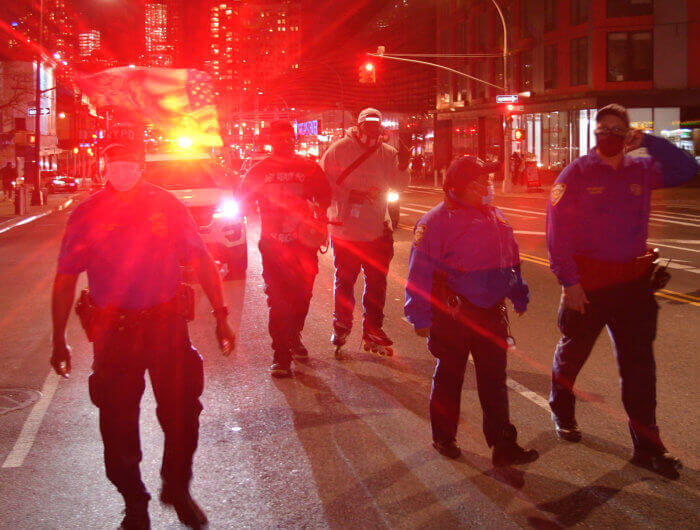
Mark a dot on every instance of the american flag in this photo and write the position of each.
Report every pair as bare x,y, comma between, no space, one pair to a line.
172,99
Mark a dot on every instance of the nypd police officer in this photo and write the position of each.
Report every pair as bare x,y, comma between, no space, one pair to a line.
132,238
597,223
464,263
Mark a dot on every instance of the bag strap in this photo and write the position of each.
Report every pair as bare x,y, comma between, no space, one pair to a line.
352,167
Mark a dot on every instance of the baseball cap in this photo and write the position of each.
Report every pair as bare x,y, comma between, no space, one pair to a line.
369,114
466,169
614,109
124,139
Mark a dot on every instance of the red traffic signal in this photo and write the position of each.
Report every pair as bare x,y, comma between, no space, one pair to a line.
518,135
367,73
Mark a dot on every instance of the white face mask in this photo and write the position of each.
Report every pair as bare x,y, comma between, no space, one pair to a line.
491,191
123,175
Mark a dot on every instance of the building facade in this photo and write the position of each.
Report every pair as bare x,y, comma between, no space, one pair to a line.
163,32
573,56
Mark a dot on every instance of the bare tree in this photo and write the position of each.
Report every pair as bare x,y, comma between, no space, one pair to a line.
16,88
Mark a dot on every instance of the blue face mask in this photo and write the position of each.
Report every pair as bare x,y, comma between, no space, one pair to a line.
485,199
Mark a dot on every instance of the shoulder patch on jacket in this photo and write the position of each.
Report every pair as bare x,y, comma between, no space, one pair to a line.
419,234
557,193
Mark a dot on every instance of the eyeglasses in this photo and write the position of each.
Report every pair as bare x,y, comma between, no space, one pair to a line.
618,131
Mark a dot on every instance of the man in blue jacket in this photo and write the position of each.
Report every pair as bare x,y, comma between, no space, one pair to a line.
597,224
464,263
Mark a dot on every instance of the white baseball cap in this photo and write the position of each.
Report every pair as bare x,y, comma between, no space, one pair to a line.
369,114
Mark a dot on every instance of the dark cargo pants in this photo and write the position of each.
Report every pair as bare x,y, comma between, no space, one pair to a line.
289,271
630,312
123,354
482,333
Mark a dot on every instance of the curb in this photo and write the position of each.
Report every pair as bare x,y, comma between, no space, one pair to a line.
14,223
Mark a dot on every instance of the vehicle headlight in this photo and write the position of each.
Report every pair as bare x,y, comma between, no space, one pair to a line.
392,196
229,209
57,181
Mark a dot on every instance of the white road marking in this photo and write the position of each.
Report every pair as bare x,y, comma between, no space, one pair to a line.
31,425
657,217
528,394
680,216
414,210
24,222
685,268
529,233
657,243
29,219
535,212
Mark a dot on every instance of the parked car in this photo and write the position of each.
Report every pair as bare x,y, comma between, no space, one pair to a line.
62,183
207,191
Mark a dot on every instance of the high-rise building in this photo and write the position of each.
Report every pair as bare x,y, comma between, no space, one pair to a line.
59,21
163,32
88,43
57,28
252,44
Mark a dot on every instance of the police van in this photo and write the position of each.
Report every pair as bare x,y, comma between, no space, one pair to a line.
202,184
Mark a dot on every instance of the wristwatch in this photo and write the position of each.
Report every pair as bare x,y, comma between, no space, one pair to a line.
220,312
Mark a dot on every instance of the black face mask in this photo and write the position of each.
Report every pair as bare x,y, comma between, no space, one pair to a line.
610,144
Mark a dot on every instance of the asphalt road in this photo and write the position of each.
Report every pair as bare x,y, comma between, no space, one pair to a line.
347,443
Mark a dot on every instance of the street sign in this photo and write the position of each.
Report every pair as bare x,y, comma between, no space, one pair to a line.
507,98
44,111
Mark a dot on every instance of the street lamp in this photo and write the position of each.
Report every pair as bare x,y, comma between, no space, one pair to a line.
36,192
507,183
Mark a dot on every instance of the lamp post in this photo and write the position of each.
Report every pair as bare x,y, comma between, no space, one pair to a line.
507,180
36,192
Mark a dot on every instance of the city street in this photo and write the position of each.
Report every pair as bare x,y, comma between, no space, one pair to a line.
346,444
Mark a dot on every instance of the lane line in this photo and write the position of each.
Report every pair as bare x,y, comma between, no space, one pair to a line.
680,241
535,212
685,268
527,393
663,293
679,216
529,233
426,211
673,246
676,299
414,210
655,217
683,295
31,425
32,218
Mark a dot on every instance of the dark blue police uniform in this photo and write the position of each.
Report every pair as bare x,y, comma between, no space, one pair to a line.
132,251
597,223
474,252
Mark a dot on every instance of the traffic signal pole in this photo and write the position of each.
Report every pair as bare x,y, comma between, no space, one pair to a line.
36,192
507,128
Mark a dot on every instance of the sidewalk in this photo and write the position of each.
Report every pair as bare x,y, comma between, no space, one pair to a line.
55,202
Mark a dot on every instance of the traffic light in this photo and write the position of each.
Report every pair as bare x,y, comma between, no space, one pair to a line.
518,135
367,73
509,113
